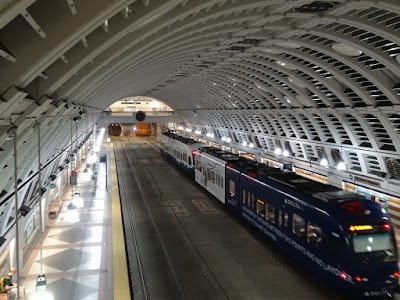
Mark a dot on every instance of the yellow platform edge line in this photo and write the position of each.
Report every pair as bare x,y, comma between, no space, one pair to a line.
120,267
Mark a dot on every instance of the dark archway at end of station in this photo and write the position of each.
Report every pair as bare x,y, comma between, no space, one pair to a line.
114,130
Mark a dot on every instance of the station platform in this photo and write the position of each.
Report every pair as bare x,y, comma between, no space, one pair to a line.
83,253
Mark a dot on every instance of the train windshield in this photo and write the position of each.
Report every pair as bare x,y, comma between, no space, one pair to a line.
376,246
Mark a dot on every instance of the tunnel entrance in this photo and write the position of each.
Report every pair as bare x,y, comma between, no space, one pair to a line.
139,129
114,130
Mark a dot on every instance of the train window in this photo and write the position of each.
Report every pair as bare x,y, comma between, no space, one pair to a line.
232,188
314,234
286,219
244,200
270,213
280,217
213,177
299,225
261,208
252,205
189,161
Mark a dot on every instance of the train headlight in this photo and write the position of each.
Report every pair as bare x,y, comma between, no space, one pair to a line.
343,275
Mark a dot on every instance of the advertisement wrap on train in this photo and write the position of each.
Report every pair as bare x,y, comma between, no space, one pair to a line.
343,238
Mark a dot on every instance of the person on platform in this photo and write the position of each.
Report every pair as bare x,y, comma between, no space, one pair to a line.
11,286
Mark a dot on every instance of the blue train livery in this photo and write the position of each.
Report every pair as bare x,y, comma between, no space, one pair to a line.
345,239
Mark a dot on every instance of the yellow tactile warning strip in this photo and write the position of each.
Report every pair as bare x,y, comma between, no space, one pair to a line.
120,268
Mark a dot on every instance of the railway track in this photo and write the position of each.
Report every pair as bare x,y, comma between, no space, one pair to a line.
188,253
130,154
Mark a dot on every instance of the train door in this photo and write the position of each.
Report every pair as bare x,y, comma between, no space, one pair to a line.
232,188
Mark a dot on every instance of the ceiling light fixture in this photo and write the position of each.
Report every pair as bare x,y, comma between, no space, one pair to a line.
273,51
286,65
297,82
288,45
346,49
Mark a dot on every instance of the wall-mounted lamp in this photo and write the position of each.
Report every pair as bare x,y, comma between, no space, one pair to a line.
324,162
341,166
285,153
278,151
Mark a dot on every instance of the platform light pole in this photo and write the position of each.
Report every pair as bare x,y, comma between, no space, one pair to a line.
70,162
41,283
76,143
15,129
40,198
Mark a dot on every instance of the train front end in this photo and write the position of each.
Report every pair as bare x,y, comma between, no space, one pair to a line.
373,253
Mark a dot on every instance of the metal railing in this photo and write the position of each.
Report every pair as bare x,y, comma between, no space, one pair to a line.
148,113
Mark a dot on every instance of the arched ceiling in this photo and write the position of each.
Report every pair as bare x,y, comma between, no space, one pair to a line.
320,77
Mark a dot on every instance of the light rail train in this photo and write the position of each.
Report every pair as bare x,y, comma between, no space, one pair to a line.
345,239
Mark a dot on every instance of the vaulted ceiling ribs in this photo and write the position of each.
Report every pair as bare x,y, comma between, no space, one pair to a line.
319,77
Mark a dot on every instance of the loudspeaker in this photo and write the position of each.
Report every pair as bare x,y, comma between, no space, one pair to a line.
24,210
140,116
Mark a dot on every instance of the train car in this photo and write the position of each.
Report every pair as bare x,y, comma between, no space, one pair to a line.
179,150
345,239
210,170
